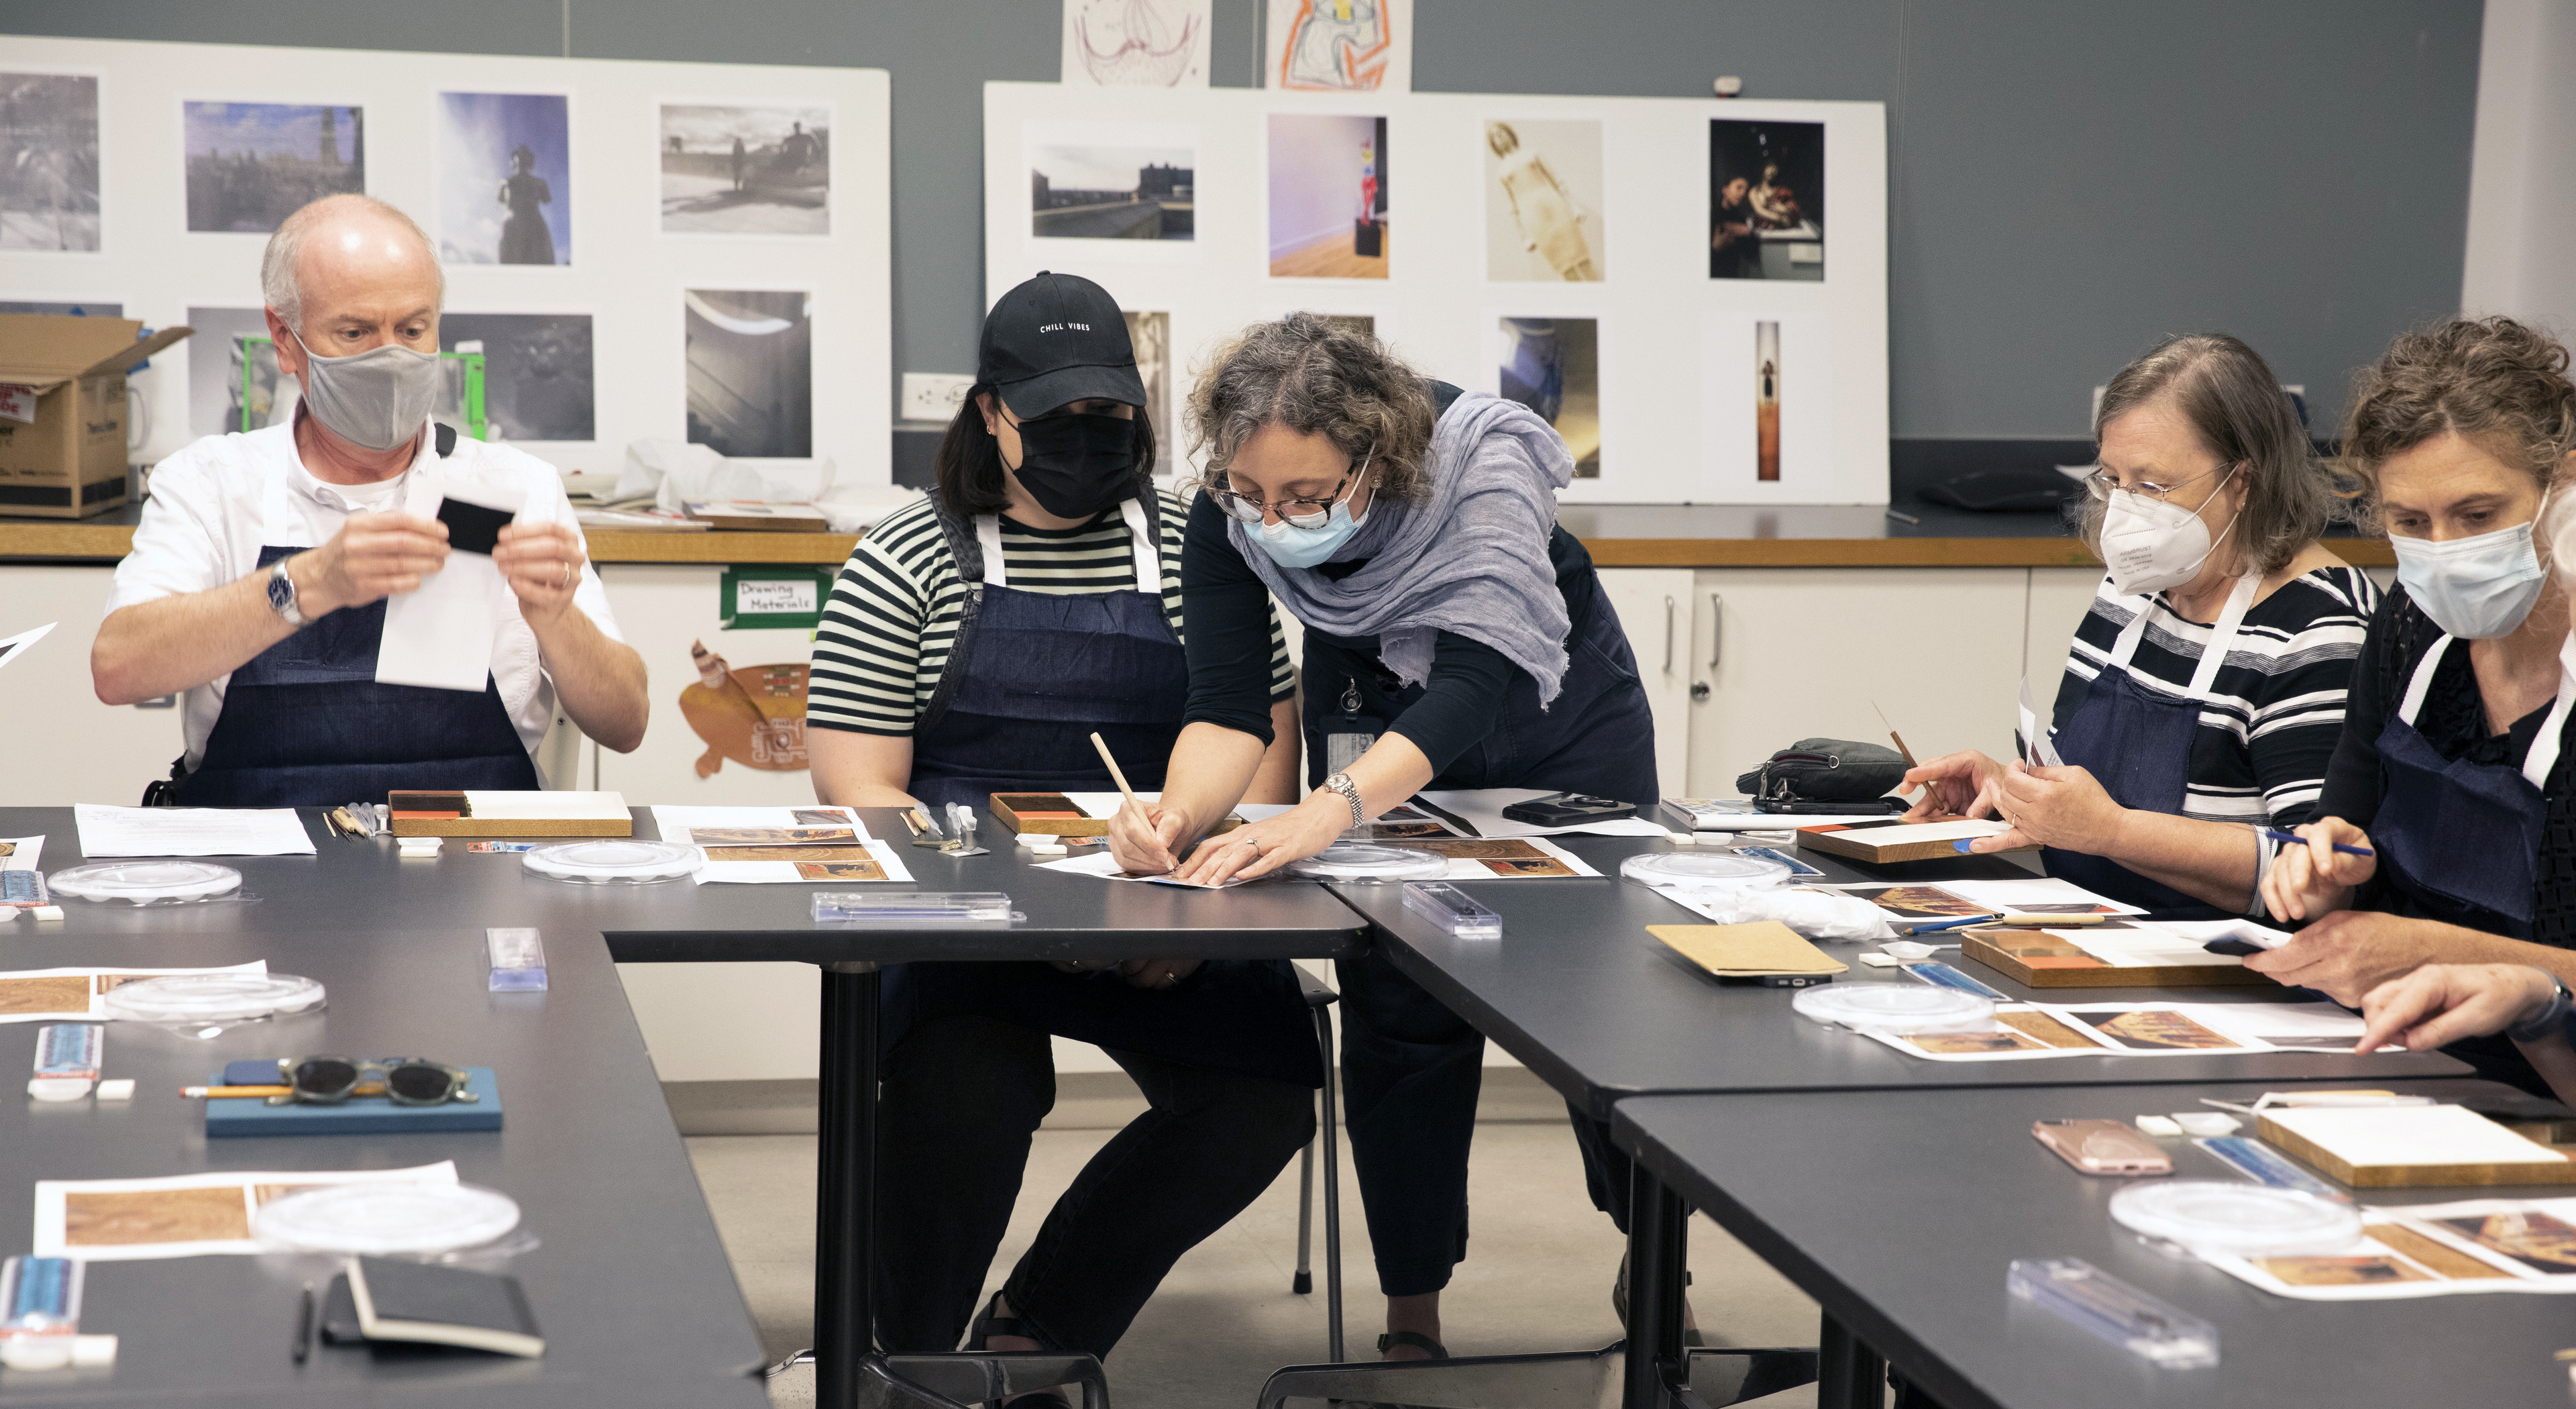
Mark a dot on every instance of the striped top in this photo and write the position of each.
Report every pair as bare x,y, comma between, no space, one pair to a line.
2274,713
886,632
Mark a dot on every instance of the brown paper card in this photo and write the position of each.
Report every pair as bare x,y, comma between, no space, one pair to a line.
1746,951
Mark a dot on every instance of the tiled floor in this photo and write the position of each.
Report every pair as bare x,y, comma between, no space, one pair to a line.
1538,1276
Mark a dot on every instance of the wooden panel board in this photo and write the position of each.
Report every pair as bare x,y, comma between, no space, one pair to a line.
2413,1176
2042,960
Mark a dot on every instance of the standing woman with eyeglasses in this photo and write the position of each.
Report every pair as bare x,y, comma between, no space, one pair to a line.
2204,691
1456,637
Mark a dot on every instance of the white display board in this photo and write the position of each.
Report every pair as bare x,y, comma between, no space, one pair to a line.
1575,253
740,293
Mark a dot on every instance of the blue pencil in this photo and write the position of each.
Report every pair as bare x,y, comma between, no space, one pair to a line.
2295,839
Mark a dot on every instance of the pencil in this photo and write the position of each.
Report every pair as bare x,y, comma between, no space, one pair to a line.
1115,775
214,1093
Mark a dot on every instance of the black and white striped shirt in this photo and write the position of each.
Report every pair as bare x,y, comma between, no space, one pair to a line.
886,632
2275,711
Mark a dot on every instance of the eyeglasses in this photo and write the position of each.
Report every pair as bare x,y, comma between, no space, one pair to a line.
1301,512
2101,482
402,1081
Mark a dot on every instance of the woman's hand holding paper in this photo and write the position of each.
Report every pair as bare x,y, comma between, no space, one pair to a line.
2350,952
1257,850
2316,878
1954,785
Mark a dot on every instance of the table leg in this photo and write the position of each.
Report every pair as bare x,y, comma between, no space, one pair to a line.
845,1205
1658,1251
1849,1375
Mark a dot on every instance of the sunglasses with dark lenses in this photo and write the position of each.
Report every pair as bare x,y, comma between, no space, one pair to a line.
402,1081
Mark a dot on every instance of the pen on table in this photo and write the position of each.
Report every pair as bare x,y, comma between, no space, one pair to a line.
1902,517
2295,839
304,1326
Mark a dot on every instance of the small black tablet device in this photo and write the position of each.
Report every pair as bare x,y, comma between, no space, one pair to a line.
473,528
1568,810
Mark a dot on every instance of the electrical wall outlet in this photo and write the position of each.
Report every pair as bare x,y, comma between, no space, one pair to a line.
933,396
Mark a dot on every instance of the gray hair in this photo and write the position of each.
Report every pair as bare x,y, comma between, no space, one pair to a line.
2227,395
285,255
1315,376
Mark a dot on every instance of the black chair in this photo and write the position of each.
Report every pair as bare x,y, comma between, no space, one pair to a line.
1320,998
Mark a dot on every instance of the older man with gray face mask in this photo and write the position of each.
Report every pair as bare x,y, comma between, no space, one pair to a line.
262,566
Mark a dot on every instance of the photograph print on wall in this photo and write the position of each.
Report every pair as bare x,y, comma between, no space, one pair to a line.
225,376
1766,200
1767,410
1328,197
1113,181
745,169
49,162
536,371
750,357
1543,201
1553,367
504,178
251,165
1151,335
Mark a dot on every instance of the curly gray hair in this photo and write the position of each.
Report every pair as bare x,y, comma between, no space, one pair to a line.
1315,376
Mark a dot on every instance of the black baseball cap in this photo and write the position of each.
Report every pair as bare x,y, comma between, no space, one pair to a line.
1055,339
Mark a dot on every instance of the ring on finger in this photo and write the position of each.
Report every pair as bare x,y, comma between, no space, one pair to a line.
567,576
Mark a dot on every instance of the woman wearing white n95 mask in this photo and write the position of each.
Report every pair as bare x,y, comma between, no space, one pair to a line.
2203,692
2451,783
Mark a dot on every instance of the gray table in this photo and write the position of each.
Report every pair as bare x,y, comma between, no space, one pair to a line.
1580,993
348,883
1902,1216
629,1283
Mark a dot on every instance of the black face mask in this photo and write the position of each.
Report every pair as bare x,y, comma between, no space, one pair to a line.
1077,465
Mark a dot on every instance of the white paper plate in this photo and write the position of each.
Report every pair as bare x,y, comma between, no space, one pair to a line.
386,1218
1714,868
1359,861
2225,1217
198,998
1895,1007
144,881
609,862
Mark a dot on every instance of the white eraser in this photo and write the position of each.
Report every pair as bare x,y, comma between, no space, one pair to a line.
2206,1123
47,912
1881,961
36,1352
93,1352
121,1089
1682,838
58,1088
1041,848
420,846
2158,1125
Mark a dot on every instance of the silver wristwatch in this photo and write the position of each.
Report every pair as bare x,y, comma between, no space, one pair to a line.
1350,792
281,595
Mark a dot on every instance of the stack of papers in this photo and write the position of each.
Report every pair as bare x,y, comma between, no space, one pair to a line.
780,845
108,833
2037,1031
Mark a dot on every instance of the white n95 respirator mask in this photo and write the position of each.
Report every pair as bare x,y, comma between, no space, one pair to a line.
377,399
2151,545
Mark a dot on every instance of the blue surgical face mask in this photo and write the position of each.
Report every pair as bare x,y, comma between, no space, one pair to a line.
2474,588
1292,547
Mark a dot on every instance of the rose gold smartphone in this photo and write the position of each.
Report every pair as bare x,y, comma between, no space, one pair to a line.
2101,1146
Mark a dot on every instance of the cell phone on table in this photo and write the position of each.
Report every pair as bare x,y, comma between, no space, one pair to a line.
1568,810
2101,1146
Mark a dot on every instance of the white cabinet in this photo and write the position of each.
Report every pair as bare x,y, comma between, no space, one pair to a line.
2059,598
1654,604
661,610
1798,653
64,747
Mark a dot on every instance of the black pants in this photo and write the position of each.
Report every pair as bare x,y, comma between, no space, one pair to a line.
962,1096
1410,1072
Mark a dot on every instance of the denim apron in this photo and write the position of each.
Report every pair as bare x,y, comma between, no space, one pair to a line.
304,723
1030,677
2463,838
2136,742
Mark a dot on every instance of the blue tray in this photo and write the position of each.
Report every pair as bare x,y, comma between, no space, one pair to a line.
364,1115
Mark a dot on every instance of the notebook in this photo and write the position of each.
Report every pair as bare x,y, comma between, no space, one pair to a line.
434,1305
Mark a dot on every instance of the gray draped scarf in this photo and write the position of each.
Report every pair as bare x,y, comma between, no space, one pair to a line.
1470,560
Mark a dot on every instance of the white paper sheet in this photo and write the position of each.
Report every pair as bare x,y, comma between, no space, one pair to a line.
2203,1029
24,1001
15,646
2036,746
21,853
2039,892
109,1222
679,824
441,636
1482,809
2496,1245
795,872
112,833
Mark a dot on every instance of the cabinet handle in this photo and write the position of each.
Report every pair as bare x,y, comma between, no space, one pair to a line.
1668,635
1716,627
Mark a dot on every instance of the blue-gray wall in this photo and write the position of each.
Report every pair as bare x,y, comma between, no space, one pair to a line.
2071,178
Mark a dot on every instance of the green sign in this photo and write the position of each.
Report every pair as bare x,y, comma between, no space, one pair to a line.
785,596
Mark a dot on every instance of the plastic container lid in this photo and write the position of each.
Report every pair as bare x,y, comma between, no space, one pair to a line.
145,881
2245,1220
1895,1007
1710,868
188,998
1359,861
386,1218
613,862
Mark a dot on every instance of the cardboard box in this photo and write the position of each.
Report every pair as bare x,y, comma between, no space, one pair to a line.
62,411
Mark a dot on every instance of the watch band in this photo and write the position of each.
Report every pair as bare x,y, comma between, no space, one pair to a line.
1350,792
2549,1018
281,595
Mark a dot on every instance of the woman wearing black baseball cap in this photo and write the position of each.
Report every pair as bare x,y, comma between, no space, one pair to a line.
974,643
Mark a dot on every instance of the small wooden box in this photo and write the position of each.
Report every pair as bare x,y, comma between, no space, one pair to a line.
509,814
1057,815
1881,846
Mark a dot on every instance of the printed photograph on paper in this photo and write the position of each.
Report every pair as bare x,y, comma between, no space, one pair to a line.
1328,197
1113,181
1553,367
504,178
537,371
1151,335
1766,200
750,358
746,169
1543,201
49,154
251,165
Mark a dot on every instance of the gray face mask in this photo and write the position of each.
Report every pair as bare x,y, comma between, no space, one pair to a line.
376,399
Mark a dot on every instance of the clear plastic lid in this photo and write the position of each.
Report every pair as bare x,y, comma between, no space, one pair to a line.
145,881
1895,1007
196,998
610,862
1697,868
914,909
1359,861
1452,909
2245,1220
379,1219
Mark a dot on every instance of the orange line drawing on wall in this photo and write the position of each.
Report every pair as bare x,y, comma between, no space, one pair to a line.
1336,46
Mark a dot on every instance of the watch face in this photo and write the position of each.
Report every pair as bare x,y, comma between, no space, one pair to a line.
281,593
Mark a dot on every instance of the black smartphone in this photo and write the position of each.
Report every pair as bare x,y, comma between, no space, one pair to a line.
1568,810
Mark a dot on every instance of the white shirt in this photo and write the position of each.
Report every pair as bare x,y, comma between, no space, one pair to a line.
217,502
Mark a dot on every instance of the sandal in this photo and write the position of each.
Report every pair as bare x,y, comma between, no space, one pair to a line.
988,1325
1388,1341
1691,1338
